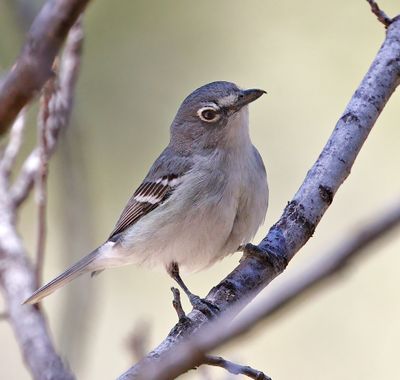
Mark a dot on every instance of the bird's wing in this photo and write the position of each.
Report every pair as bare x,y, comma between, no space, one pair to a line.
149,195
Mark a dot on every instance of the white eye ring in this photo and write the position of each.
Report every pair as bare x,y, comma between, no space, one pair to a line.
208,114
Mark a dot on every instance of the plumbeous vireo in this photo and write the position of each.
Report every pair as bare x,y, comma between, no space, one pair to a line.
204,196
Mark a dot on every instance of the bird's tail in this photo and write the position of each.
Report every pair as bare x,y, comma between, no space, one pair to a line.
81,267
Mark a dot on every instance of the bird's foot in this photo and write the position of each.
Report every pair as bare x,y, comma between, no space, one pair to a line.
206,307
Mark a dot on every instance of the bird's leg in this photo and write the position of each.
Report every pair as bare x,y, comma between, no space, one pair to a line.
198,303
173,271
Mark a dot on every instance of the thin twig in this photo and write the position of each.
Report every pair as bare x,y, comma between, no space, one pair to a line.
61,111
379,13
13,146
47,115
234,368
177,304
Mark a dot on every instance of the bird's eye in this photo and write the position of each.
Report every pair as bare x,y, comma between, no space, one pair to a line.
208,114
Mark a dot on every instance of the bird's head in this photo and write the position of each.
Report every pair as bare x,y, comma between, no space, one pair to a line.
212,115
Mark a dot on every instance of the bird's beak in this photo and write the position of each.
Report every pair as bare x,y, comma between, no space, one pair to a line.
248,96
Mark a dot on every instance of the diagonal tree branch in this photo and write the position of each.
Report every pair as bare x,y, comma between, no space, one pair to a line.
332,263
33,66
298,221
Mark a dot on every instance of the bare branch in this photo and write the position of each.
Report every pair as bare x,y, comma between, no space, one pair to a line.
297,223
14,145
176,303
330,264
33,67
61,106
379,13
16,283
235,369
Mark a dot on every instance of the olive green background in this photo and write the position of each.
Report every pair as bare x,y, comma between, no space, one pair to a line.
141,59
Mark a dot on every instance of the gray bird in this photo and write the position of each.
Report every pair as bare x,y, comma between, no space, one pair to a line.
204,196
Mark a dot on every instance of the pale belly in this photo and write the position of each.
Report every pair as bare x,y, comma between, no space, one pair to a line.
194,235
199,224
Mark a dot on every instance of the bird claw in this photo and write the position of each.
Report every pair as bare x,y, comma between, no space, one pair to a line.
206,307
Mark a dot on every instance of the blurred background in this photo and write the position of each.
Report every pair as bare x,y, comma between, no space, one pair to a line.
141,59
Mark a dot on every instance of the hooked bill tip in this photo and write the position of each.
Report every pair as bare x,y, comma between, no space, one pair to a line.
248,96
